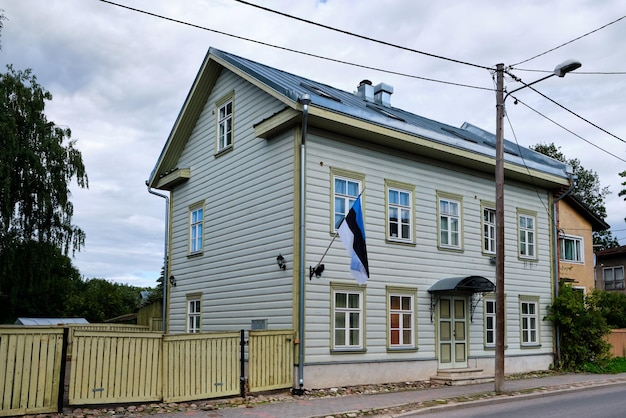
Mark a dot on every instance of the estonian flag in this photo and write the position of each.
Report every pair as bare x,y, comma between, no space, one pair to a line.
352,234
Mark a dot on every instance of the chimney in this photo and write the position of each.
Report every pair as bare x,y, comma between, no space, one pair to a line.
382,94
366,90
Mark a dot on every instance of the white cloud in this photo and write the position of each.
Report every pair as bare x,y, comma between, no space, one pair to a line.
119,79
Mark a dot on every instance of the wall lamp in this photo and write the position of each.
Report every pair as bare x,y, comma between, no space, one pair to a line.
172,280
317,271
280,260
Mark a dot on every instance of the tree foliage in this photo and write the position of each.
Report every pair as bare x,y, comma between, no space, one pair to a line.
613,307
98,300
623,191
38,161
582,328
588,190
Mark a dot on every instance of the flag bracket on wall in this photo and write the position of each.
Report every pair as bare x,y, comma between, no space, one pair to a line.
317,271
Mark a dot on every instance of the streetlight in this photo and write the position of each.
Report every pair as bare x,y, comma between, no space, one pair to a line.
559,71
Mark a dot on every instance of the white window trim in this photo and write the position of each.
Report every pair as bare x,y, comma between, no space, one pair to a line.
459,217
220,145
531,301
348,289
350,177
486,328
581,249
488,230
526,232
400,188
194,301
193,227
402,293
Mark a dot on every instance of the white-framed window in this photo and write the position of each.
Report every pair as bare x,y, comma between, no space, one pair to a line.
194,306
399,212
449,221
489,230
196,229
401,318
347,326
572,249
613,277
529,322
490,323
225,122
526,228
346,187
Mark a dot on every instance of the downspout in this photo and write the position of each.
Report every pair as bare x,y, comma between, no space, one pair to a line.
573,182
305,100
165,263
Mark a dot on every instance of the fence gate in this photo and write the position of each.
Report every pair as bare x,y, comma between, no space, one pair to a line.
270,361
31,361
115,367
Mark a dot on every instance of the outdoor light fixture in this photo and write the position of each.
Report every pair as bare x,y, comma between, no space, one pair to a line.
280,260
172,280
317,271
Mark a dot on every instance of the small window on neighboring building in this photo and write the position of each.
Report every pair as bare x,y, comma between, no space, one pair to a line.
613,278
572,249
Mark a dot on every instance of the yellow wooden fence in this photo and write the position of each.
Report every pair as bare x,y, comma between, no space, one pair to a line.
201,366
270,364
30,365
617,339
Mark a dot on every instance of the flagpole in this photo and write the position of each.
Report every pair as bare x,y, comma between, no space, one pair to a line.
317,266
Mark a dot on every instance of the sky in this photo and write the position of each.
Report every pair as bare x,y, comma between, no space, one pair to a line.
119,78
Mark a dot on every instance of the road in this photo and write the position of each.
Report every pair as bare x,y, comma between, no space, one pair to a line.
597,402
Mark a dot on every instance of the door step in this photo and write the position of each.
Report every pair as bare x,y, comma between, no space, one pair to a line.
459,377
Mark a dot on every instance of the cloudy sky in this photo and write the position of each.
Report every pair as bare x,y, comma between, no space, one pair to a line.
119,78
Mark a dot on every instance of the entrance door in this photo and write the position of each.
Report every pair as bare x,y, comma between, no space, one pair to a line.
452,332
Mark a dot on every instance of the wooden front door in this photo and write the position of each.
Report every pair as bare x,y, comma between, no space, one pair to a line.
452,343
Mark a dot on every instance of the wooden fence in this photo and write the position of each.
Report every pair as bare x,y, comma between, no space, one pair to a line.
617,339
31,361
109,365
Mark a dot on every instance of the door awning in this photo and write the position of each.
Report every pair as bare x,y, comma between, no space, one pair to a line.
467,284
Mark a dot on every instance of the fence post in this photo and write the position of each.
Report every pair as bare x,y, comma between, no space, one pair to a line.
66,333
242,363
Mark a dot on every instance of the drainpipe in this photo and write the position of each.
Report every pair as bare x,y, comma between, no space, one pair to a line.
573,182
304,100
165,263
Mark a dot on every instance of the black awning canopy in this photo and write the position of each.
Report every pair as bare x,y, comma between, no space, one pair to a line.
467,284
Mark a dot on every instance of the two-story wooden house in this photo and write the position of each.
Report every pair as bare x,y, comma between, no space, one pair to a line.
262,166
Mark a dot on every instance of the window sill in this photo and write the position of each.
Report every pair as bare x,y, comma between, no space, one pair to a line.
402,349
223,151
530,346
396,241
196,254
348,350
451,249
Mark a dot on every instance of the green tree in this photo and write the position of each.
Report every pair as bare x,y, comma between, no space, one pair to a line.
613,307
581,327
98,300
588,190
623,191
38,161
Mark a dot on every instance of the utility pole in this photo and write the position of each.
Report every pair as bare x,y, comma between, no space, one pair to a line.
500,308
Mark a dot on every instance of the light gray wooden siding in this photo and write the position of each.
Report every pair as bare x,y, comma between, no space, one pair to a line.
248,218
418,265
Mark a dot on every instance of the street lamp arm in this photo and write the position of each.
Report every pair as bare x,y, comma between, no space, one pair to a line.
559,71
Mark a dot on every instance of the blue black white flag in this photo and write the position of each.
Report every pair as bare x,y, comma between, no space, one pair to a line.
352,234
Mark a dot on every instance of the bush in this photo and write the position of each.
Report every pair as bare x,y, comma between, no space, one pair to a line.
613,307
582,328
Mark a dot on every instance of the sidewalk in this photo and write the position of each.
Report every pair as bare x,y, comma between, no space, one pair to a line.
393,404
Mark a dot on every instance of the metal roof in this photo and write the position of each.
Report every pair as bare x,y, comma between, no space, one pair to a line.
468,136
471,284
50,321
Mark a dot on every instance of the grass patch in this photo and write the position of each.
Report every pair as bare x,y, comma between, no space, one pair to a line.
611,366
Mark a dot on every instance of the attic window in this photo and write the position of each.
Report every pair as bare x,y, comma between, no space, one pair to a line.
320,92
384,112
459,135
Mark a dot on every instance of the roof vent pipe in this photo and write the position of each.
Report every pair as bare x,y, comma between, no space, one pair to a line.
366,90
382,94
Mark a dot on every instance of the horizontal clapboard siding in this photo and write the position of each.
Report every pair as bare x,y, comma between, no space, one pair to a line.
420,265
248,218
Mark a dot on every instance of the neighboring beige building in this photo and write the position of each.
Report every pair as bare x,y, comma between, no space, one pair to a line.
576,224
610,269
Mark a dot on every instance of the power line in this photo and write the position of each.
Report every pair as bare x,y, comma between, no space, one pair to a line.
569,42
568,130
367,38
575,114
367,67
